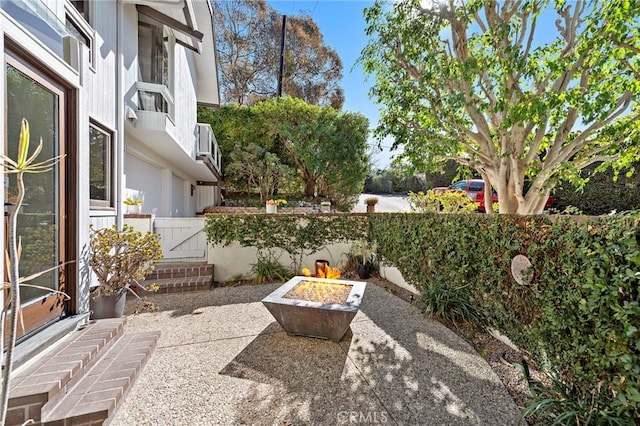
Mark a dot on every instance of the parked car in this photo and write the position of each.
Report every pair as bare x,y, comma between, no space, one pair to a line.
475,190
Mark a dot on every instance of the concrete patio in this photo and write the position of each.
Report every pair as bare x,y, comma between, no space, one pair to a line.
223,360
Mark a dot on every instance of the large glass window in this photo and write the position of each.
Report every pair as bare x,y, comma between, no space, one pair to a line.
100,152
38,221
153,55
154,62
42,220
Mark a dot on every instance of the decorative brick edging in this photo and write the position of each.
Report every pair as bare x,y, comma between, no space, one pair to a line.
254,210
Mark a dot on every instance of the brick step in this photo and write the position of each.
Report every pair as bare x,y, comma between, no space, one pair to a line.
178,285
45,380
180,270
94,399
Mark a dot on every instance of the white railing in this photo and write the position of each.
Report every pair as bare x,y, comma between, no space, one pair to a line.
155,98
207,144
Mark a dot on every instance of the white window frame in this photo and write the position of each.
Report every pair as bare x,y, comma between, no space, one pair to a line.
85,28
109,179
165,90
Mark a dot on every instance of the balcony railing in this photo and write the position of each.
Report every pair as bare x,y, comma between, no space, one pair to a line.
206,144
155,98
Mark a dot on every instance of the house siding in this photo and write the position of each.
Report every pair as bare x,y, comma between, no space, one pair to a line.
186,103
167,196
101,92
29,46
102,79
143,177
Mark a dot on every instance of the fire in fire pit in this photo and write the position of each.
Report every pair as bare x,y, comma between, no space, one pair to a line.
316,307
323,292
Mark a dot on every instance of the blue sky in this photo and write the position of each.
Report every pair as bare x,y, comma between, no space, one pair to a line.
342,25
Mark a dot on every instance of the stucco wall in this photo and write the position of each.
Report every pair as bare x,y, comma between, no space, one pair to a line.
233,261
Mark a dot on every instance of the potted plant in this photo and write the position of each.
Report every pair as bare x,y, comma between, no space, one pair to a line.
134,205
272,205
363,255
119,259
325,207
371,204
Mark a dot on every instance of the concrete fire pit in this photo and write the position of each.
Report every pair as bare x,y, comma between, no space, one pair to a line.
323,308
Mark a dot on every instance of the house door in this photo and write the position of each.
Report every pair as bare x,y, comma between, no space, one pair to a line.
42,226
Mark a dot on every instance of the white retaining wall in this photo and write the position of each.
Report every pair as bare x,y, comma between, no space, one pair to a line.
232,261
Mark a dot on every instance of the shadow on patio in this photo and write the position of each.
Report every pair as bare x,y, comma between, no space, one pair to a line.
233,364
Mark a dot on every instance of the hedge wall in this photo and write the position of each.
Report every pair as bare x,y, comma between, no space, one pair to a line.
602,194
578,317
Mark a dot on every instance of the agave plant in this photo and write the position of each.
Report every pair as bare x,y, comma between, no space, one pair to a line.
23,164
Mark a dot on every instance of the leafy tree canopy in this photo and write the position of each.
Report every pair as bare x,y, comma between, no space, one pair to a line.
328,147
248,34
496,87
286,143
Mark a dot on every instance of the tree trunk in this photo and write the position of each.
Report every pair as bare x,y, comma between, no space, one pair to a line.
308,189
309,186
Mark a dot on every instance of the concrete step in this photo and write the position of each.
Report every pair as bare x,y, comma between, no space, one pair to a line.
180,270
176,285
46,379
179,278
95,398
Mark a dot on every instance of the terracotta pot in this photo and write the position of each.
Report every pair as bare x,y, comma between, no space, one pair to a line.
111,306
371,208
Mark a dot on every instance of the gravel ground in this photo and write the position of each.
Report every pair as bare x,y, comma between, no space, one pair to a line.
500,357
223,360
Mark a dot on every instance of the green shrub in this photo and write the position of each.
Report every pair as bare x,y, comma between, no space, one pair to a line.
415,184
450,303
578,317
602,194
378,184
446,202
296,234
267,269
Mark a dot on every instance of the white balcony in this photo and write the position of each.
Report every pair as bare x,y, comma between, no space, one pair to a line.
207,149
155,98
195,152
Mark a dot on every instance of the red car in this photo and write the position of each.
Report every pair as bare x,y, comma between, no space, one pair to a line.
475,190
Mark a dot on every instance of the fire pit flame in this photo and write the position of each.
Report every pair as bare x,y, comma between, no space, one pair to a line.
316,307
323,292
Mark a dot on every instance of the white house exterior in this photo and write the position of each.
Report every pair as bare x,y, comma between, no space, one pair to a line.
166,74
114,86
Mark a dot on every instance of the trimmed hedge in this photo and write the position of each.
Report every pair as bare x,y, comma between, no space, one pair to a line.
602,194
297,234
578,318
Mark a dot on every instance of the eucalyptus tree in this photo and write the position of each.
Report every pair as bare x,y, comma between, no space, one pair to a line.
248,34
517,90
